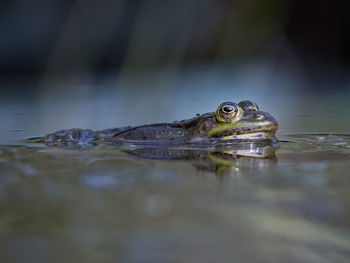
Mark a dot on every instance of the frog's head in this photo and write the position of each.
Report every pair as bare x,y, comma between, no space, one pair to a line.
239,121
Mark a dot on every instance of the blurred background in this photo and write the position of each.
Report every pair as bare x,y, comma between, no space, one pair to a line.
99,64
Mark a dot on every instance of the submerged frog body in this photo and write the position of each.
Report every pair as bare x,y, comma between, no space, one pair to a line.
231,121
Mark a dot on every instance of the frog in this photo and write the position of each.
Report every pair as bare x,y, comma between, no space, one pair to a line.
231,121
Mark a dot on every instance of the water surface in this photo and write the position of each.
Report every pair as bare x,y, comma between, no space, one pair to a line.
109,203
279,203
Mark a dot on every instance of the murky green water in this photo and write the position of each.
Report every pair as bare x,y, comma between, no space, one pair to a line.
255,203
111,204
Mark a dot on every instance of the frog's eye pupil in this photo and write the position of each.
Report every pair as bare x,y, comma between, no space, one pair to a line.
227,109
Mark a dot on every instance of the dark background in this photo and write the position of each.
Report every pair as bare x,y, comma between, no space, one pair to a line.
66,37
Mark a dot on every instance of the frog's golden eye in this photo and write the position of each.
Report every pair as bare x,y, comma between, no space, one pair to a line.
227,112
248,105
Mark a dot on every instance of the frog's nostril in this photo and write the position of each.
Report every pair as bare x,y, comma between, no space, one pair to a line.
258,116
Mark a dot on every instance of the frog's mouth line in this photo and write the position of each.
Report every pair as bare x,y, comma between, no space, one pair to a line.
252,135
248,133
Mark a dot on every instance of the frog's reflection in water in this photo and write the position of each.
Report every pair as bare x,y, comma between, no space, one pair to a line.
222,160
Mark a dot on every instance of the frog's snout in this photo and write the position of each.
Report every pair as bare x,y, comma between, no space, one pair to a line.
272,122
265,120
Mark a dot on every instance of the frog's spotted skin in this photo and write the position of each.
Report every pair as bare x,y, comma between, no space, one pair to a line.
231,121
